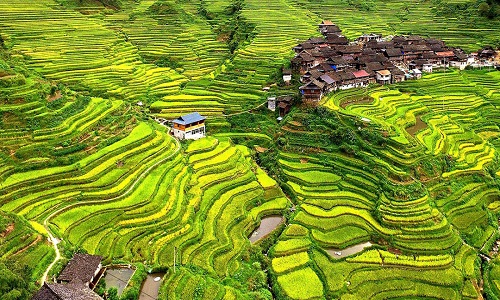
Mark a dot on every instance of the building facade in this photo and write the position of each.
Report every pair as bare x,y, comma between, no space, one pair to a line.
189,127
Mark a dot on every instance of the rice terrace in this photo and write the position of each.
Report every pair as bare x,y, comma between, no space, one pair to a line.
249,149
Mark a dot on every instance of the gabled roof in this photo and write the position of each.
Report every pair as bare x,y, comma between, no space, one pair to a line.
284,98
305,56
350,49
188,119
384,72
313,83
316,40
314,73
80,268
393,52
346,75
336,39
445,54
327,22
70,291
283,104
360,74
337,60
327,79
429,55
375,66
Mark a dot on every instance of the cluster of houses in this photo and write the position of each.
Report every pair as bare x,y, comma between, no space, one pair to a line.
76,281
331,62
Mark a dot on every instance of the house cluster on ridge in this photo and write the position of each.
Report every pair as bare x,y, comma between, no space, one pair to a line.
331,62
75,282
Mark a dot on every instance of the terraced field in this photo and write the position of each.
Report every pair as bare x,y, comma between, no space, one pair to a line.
426,195
397,207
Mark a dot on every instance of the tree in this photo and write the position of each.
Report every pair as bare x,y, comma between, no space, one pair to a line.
112,294
484,8
13,284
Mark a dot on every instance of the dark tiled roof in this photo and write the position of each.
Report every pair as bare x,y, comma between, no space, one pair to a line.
393,52
315,73
70,291
284,99
45,293
316,40
346,75
380,45
429,55
313,83
350,49
81,268
327,79
305,56
283,104
337,60
307,45
337,40
375,66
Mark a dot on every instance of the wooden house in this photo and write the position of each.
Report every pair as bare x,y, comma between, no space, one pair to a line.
287,76
394,54
362,78
365,38
76,280
82,268
312,91
191,126
398,75
347,79
284,105
70,291
328,27
444,57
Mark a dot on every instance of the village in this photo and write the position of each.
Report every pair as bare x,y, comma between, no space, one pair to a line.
330,63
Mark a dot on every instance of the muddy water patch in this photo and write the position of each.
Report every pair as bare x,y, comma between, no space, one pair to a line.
356,100
338,253
118,278
419,125
151,286
267,225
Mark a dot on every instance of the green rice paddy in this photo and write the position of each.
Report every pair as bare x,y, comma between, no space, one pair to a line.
79,157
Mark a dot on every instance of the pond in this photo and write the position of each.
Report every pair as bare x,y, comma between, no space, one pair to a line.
267,225
151,286
337,253
118,278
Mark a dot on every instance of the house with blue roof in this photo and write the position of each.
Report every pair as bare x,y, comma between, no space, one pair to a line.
189,127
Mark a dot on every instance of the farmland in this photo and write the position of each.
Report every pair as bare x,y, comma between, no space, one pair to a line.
81,159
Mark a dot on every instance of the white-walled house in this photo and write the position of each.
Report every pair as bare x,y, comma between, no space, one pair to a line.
189,127
383,76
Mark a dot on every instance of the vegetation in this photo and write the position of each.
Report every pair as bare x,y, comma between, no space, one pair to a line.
81,158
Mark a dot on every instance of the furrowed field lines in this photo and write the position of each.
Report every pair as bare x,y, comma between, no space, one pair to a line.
224,197
185,284
21,243
108,65
417,222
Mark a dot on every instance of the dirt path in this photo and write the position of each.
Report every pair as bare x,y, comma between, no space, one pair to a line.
38,238
55,241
